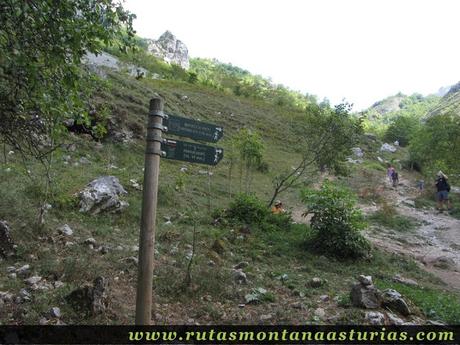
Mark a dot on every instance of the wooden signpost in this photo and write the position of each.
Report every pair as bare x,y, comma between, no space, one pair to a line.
157,147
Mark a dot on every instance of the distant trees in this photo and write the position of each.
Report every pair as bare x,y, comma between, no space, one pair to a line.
402,129
436,144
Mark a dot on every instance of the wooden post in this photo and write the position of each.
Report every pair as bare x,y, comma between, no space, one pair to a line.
149,209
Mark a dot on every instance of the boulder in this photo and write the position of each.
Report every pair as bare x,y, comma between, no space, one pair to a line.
406,281
102,195
392,299
358,152
92,299
240,277
315,282
363,296
65,230
374,318
6,243
388,148
365,280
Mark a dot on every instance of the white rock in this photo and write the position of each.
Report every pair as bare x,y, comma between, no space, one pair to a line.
320,312
265,317
388,148
32,280
11,269
374,318
365,280
55,312
23,271
65,230
90,241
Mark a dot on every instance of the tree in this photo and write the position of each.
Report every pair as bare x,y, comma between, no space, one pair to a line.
41,45
41,82
250,147
402,129
328,136
436,145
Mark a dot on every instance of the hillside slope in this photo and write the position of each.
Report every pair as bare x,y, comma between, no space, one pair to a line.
284,282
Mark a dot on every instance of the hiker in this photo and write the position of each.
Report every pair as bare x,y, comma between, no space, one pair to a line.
442,191
278,208
394,178
421,185
390,173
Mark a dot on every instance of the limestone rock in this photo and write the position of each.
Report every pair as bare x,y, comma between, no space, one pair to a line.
365,280
392,299
6,243
240,277
170,49
92,299
368,297
55,312
388,148
102,195
406,281
315,282
358,152
374,318
65,230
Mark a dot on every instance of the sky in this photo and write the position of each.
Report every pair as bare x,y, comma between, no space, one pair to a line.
358,50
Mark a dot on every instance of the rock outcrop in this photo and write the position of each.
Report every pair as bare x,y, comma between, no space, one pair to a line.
170,49
6,243
102,194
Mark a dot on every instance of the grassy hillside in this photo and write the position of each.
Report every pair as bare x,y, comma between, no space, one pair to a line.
276,261
449,104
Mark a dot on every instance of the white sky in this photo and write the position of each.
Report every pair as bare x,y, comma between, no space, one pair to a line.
360,50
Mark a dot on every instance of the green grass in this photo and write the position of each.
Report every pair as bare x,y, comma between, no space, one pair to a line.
435,304
395,222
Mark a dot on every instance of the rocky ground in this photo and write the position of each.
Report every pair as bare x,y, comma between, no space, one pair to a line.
435,244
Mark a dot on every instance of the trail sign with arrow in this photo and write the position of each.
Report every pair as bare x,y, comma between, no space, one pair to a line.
193,129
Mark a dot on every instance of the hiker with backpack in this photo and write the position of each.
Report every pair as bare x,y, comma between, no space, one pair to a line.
394,178
390,171
442,191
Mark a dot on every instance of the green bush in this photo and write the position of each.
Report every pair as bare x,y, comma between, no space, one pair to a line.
247,208
336,223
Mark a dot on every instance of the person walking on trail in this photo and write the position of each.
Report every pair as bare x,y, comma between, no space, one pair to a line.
394,178
390,171
442,191
278,208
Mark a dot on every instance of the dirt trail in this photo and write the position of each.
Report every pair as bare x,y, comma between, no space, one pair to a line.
435,244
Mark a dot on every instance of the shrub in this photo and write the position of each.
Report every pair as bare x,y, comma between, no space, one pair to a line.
336,223
247,208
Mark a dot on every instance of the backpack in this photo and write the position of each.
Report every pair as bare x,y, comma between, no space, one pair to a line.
394,175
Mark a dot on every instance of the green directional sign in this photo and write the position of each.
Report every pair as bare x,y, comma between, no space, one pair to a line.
191,152
193,129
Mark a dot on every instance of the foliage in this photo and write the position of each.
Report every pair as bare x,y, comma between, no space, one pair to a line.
336,223
229,78
249,146
327,137
250,210
382,114
247,208
402,129
41,45
436,145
